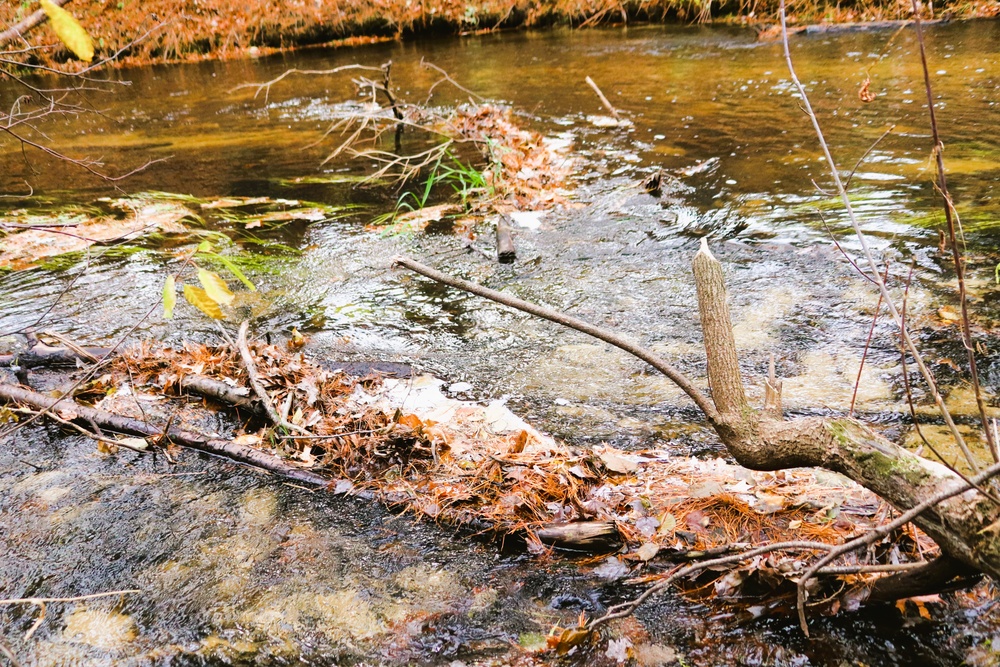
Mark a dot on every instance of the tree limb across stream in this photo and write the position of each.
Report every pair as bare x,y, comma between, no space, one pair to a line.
86,416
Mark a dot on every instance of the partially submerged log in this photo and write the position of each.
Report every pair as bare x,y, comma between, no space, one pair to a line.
590,536
85,416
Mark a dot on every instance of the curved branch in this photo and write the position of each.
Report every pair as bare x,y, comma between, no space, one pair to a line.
620,342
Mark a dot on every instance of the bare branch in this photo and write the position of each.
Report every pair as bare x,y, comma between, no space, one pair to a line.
620,342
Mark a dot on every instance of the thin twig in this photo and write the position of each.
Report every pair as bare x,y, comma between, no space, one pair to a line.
258,387
266,86
604,100
956,252
626,608
41,602
863,241
447,77
850,177
868,342
9,655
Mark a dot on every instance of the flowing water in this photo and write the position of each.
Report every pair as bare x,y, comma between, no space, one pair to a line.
237,569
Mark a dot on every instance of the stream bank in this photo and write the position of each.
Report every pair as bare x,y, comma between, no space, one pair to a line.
219,29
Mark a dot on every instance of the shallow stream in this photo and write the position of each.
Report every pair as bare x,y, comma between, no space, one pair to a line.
238,569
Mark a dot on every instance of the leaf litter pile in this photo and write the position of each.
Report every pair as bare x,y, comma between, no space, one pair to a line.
403,442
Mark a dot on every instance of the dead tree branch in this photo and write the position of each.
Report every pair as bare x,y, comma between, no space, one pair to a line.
84,415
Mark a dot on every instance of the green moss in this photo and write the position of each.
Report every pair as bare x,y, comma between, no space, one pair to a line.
857,441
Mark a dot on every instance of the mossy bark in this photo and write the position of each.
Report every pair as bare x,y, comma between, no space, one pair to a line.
966,526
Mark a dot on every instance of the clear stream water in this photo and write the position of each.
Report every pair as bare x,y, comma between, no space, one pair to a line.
238,569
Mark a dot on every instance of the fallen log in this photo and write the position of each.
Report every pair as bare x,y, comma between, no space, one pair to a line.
41,354
591,536
70,410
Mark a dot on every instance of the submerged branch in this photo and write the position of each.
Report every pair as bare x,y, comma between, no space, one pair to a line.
204,443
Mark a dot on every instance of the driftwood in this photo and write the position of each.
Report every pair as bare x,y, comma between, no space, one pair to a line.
41,354
506,253
592,536
69,409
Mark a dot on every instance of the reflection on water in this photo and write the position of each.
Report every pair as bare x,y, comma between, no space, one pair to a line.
236,570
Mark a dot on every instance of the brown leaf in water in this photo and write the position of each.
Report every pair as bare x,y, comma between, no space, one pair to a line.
949,314
864,93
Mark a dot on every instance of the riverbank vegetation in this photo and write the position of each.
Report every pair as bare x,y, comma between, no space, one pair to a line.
184,30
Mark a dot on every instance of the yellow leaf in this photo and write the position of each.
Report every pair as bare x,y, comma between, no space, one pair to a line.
69,30
297,340
215,287
169,298
668,522
197,297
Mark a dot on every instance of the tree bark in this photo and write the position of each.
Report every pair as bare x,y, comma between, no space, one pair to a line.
966,526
